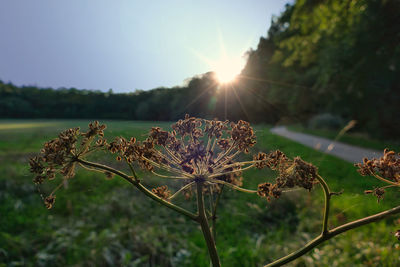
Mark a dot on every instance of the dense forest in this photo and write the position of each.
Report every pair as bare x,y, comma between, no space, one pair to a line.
320,57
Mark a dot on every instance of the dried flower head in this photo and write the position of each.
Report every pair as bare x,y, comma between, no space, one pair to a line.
196,151
386,169
194,148
292,173
388,166
60,155
206,151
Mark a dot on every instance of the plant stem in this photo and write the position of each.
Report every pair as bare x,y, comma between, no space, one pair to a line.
205,228
214,215
232,186
334,232
327,194
135,181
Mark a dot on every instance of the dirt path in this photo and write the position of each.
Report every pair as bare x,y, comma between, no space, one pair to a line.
347,152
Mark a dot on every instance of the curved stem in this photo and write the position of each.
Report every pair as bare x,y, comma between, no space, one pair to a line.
225,153
205,228
132,170
167,168
334,232
209,150
168,176
237,164
232,186
227,159
327,194
223,173
385,180
169,160
141,187
180,190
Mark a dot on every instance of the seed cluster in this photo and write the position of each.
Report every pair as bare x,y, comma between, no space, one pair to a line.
162,192
379,193
56,156
292,173
190,149
195,150
386,168
59,155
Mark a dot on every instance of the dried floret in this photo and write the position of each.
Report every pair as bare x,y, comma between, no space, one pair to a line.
162,192
95,129
388,166
49,201
269,190
378,192
386,169
243,135
261,159
397,234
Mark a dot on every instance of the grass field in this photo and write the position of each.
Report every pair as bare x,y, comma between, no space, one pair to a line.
100,222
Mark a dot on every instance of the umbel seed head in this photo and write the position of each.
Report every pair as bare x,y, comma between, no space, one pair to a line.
196,151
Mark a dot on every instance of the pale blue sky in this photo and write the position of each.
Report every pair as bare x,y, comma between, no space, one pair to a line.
124,45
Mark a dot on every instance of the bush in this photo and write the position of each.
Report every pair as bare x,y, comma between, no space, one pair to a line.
326,121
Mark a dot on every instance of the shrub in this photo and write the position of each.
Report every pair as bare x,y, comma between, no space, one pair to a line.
325,121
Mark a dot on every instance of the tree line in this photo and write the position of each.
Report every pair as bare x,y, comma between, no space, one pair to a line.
320,56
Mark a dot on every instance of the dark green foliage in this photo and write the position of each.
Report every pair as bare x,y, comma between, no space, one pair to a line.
157,104
341,57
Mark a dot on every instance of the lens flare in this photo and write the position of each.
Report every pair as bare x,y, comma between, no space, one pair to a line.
227,69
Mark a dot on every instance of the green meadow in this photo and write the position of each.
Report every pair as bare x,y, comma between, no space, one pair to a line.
102,222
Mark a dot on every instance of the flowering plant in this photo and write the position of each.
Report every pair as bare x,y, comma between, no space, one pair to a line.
203,156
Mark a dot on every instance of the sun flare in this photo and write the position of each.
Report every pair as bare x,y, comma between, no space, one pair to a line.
227,69
226,66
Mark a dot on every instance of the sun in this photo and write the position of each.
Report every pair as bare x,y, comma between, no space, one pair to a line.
227,66
227,69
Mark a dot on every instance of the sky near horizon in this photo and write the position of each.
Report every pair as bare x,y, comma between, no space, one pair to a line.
125,45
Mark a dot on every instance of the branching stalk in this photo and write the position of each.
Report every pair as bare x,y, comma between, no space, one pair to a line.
334,232
202,219
327,195
141,187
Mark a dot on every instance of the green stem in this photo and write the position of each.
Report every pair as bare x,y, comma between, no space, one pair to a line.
327,194
205,228
214,215
232,186
132,170
334,232
135,181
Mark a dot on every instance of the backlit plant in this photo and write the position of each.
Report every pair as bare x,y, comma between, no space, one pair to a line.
203,155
